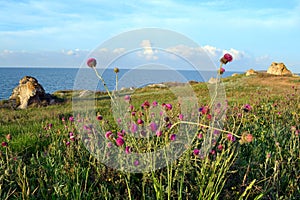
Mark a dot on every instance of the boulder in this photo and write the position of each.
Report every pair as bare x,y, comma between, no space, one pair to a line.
251,72
28,92
278,69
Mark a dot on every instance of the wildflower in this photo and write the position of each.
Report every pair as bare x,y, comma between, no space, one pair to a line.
71,119
140,121
108,134
226,58
230,137
168,106
127,98
119,141
221,70
297,132
68,143
8,137
4,144
247,108
196,152
200,136
158,133
131,107
220,147
133,128
50,126
173,137
180,116
109,145
154,103
212,152
133,113
99,117
153,126
127,149
169,125
246,138
116,70
91,62
146,105
72,136
136,162
204,110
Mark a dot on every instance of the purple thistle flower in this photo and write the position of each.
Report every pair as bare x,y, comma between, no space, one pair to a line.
91,62
108,134
140,121
136,162
173,137
71,119
133,128
153,126
196,152
169,106
68,143
119,141
99,117
230,137
154,103
158,133
180,116
127,149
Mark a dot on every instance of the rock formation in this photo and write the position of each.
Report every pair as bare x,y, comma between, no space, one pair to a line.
251,72
278,69
29,91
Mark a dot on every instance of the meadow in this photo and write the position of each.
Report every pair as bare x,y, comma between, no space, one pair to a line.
255,156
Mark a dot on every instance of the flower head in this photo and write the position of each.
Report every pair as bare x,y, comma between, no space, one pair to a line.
247,108
230,137
173,137
4,144
226,58
116,70
91,62
153,126
119,141
196,152
221,70
99,117
127,149
108,134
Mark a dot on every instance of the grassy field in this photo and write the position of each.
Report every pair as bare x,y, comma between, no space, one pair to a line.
256,156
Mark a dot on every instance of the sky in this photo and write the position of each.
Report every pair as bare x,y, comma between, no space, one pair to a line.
63,33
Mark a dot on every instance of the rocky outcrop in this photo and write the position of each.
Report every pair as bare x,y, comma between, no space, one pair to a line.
28,92
278,69
251,72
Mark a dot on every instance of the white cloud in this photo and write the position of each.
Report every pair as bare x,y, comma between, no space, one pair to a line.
148,52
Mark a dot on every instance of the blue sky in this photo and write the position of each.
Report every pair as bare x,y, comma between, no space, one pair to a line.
63,33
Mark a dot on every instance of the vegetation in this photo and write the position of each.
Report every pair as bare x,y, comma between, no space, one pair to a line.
256,155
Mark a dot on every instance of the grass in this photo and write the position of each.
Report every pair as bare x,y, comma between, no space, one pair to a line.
42,160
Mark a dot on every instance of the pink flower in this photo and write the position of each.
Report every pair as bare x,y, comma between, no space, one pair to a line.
196,152
247,108
158,133
173,137
127,149
154,103
146,105
127,98
109,145
99,117
180,116
91,62
200,136
4,144
153,126
221,70
230,137
71,119
133,128
108,134
136,162
220,147
226,58
68,143
213,152
140,121
119,141
168,106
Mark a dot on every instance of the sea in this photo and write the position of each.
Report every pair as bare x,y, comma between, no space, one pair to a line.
54,79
